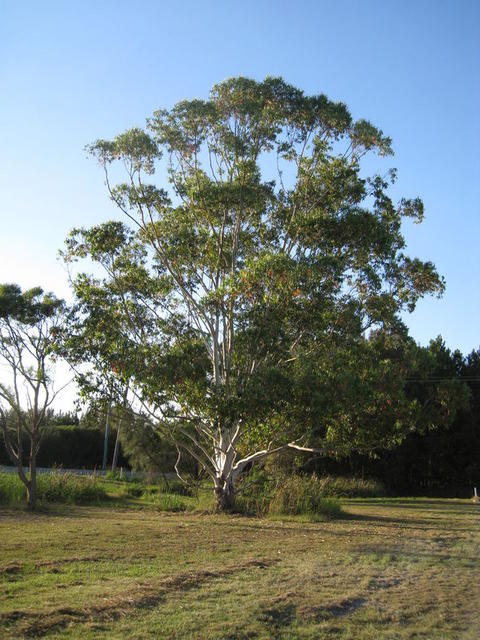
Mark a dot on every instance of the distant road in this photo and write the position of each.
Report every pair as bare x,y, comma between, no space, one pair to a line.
80,472
124,473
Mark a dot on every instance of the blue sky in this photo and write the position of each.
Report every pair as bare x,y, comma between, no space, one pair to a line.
71,72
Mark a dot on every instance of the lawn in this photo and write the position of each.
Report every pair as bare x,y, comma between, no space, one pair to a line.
399,568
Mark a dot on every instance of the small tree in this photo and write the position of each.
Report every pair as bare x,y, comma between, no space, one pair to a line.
242,289
29,322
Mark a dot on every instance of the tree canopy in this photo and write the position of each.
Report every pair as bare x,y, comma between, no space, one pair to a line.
239,298
29,323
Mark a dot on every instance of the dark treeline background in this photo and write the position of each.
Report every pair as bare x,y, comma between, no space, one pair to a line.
442,461
71,443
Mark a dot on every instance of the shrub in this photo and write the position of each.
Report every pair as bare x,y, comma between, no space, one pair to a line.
297,495
177,487
251,504
135,489
254,492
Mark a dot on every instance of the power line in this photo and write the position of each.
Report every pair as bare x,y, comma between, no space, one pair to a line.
445,379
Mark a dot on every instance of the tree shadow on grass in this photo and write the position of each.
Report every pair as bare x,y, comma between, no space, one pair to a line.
335,610
278,617
391,554
407,522
421,504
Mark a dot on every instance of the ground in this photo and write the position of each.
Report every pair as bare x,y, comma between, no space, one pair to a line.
391,569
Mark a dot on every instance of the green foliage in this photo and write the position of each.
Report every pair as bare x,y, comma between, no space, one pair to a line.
53,487
62,418
146,448
12,491
297,495
169,502
70,447
30,322
435,460
176,487
236,310
29,307
66,487
264,491
136,489
344,487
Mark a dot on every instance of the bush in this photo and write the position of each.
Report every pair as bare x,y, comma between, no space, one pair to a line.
135,489
254,492
299,495
53,487
252,505
177,487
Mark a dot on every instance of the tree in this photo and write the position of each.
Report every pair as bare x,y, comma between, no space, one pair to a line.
29,322
248,284
439,453
418,398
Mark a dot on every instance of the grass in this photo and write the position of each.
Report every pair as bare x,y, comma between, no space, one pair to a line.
262,493
53,487
297,495
170,502
12,491
290,496
72,489
344,487
393,569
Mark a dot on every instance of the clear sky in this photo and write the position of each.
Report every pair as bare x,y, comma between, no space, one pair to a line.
71,72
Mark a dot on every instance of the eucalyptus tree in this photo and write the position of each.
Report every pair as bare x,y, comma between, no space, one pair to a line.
245,284
29,323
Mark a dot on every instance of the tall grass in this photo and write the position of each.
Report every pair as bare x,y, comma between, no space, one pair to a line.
261,493
53,487
12,491
343,487
297,495
170,502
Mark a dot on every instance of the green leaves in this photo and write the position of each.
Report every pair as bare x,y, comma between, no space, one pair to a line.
245,291
135,147
366,136
28,307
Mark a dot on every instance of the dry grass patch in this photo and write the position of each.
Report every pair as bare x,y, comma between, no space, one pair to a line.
391,570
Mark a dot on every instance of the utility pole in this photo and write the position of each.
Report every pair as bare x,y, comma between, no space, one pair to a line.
107,432
117,441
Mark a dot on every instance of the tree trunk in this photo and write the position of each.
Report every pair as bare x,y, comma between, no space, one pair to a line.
32,495
32,484
224,495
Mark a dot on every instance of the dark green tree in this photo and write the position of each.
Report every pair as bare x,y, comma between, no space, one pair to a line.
439,453
243,293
